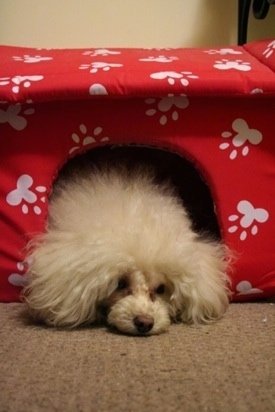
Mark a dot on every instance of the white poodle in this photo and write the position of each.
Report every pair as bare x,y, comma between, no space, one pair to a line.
120,246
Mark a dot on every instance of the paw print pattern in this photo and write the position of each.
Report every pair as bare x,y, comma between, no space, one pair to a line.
225,64
96,66
257,91
24,196
242,136
171,77
98,89
18,279
223,51
248,218
159,59
167,105
245,288
82,139
26,58
18,81
15,117
158,48
269,50
101,52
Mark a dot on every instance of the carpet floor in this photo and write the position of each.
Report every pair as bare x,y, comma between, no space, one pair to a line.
227,366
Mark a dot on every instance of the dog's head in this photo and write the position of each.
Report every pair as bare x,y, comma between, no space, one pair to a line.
138,287
139,304
192,288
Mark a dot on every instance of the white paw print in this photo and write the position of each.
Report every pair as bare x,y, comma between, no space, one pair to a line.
248,218
13,115
223,51
84,140
159,59
18,81
245,288
17,279
97,89
225,64
242,136
101,52
171,77
26,58
257,91
96,66
169,104
24,196
269,50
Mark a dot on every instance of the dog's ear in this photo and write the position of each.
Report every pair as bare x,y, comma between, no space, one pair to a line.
201,292
64,286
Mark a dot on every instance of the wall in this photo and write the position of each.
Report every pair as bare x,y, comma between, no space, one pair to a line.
132,23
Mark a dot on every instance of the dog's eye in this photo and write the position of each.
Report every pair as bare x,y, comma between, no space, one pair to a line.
160,289
122,284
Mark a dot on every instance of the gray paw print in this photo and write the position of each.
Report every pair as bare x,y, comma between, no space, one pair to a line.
96,66
225,64
172,77
167,107
24,195
14,115
19,81
26,58
83,139
247,219
241,139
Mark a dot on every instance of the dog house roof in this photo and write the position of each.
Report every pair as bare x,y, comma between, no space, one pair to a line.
54,74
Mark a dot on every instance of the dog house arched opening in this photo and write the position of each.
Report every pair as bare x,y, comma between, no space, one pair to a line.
167,165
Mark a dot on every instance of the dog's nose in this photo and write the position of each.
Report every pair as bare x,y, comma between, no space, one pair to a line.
143,323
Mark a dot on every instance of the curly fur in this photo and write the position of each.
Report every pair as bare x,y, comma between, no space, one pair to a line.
120,243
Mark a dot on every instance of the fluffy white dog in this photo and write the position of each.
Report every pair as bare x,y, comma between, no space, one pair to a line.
121,245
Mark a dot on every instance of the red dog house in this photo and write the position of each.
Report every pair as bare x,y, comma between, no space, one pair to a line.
215,107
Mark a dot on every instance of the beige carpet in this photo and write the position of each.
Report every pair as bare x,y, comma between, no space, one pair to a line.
228,366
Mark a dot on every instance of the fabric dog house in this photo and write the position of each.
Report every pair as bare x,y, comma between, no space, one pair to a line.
214,107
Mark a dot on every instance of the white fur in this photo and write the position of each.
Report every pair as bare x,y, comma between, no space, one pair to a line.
107,225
